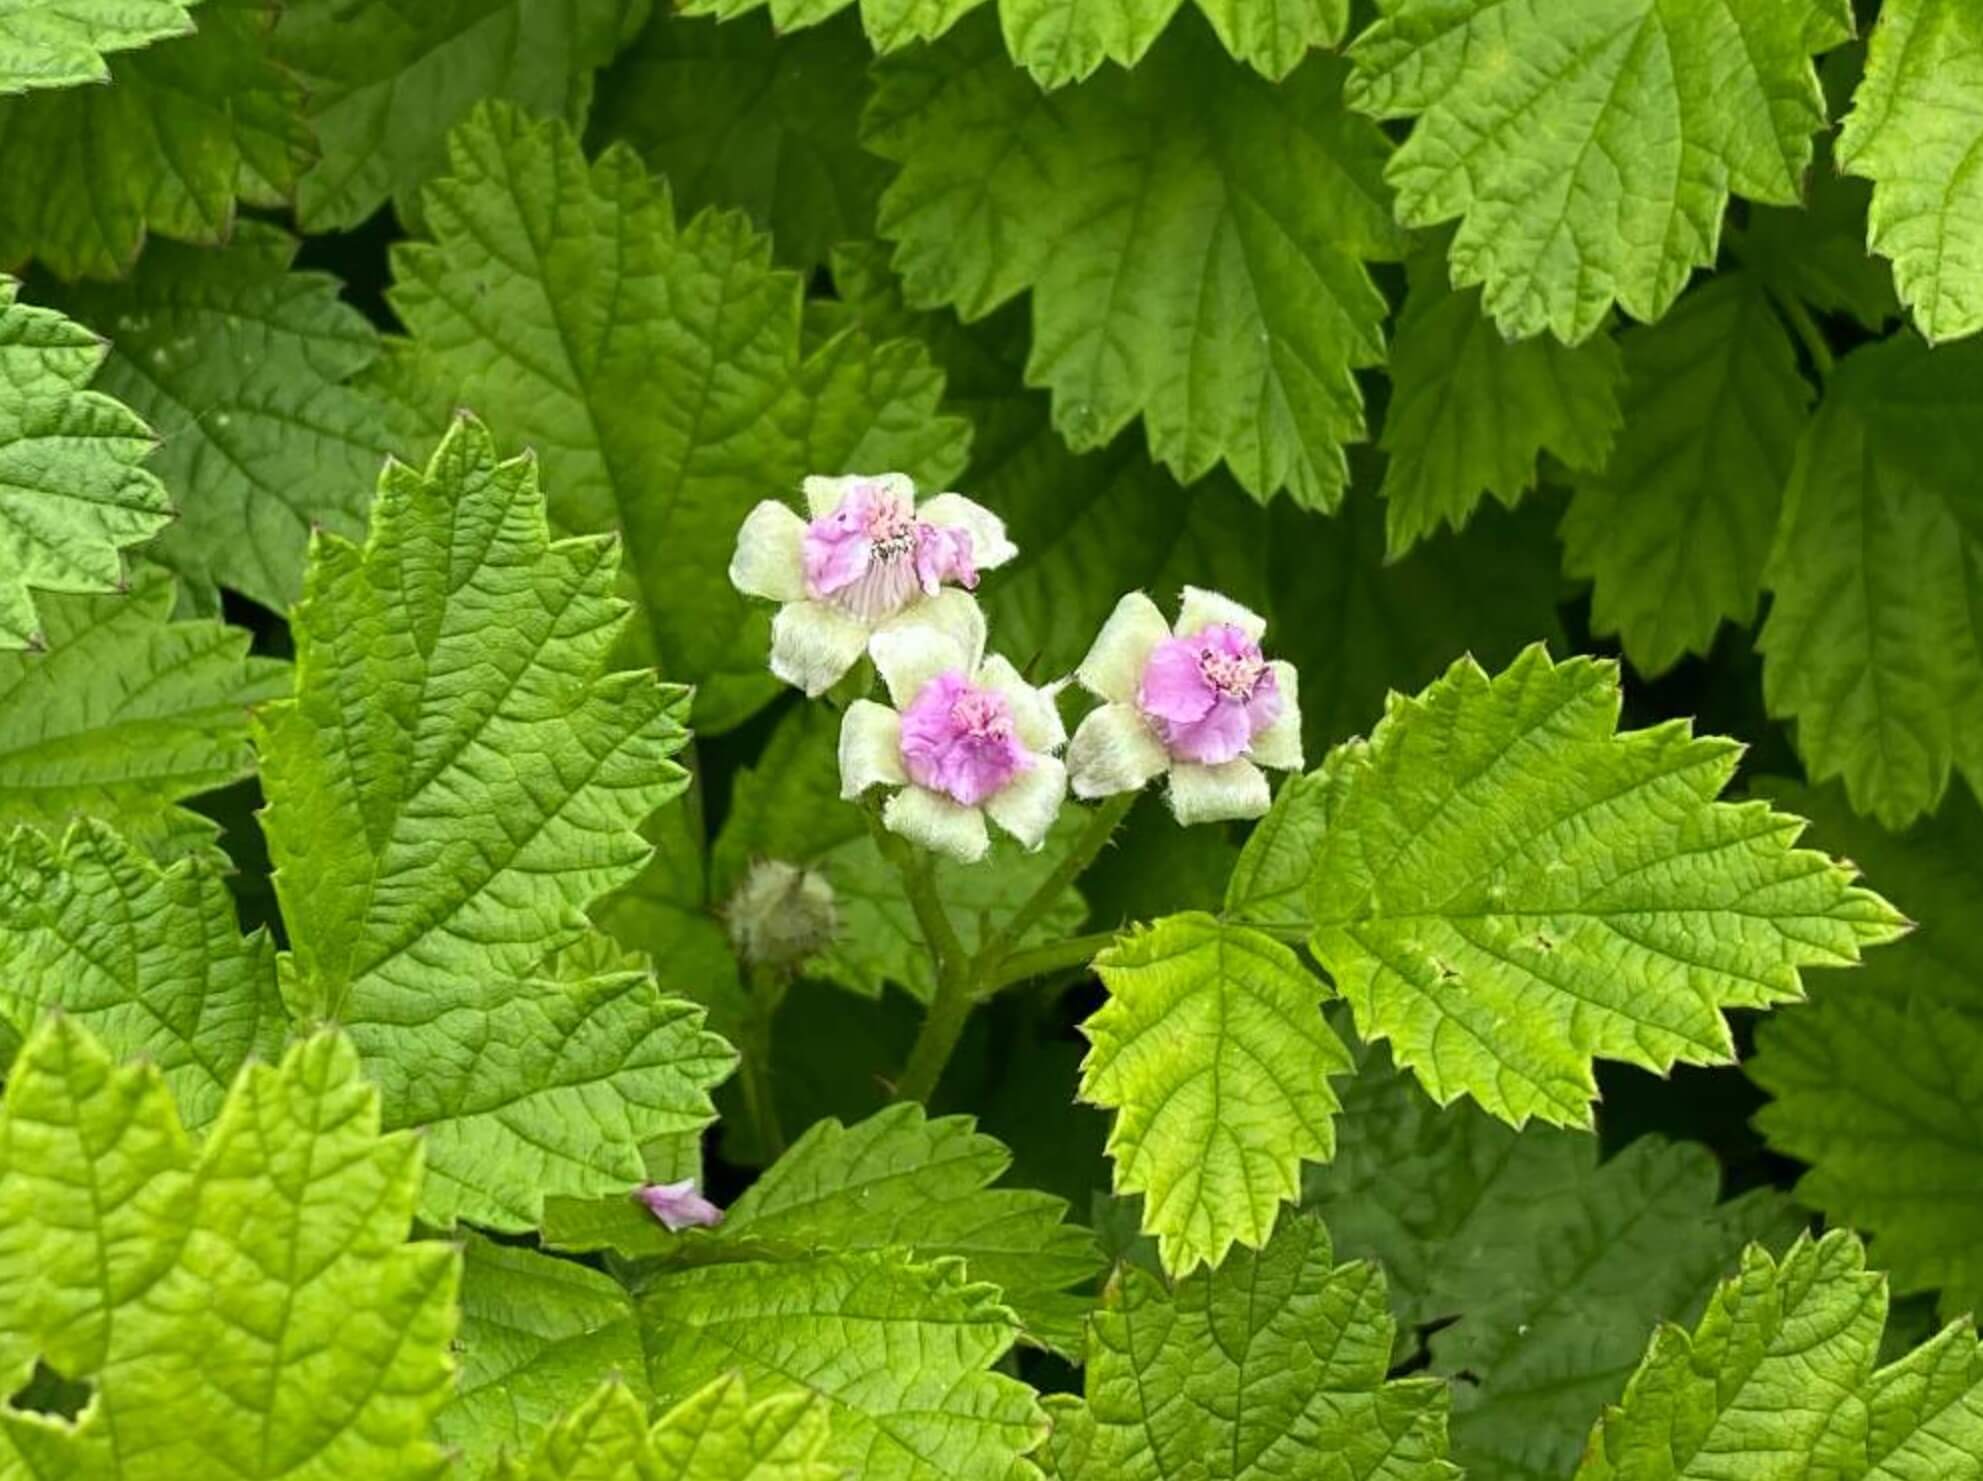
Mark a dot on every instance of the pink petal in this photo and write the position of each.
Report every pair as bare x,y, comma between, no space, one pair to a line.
958,739
1174,687
678,1205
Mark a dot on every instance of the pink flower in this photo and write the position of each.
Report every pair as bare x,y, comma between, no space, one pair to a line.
1200,702
678,1205
870,559
968,738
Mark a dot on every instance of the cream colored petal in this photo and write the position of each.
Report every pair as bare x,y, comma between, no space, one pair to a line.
1201,608
770,555
1215,794
1027,807
823,495
813,645
1114,665
938,824
909,657
1279,745
1034,715
989,545
950,611
1113,751
870,748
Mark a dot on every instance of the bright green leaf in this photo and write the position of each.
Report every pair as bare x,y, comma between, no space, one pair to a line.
1778,1380
72,493
59,43
1589,147
254,1311
1506,888
1271,1365
457,777
1174,274
1674,530
1213,1052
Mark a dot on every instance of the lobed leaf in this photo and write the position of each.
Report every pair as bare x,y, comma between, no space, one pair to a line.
60,43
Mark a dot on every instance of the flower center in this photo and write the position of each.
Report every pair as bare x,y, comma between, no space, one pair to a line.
958,739
1233,675
872,557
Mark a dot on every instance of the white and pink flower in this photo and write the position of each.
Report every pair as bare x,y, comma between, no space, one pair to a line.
1199,701
868,559
967,739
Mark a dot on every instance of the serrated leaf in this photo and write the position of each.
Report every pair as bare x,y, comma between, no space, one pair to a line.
244,368
1914,132
1879,1085
59,43
1778,1380
1589,147
1536,1269
900,1351
147,957
1673,531
387,79
536,1336
1270,1365
1213,1051
254,1309
1507,888
72,491
184,127
127,713
747,116
1874,644
656,369
1174,275
1471,411
457,777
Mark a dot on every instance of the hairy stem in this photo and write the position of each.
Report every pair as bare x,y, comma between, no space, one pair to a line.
937,1040
1102,824
1808,331
1042,961
767,993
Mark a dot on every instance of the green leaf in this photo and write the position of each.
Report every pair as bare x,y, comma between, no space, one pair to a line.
656,368
1588,147
1507,888
387,79
1213,1051
1674,530
901,1352
746,116
1778,1379
147,957
456,779
900,1179
243,367
1878,1084
1874,645
1538,1268
715,1434
1174,274
72,493
253,1311
1471,411
184,127
1269,1365
536,1335
59,43
1914,132
127,712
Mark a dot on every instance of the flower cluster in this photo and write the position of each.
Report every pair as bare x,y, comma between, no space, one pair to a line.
964,737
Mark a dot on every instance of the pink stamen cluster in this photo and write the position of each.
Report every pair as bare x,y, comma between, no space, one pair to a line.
872,556
1207,695
958,739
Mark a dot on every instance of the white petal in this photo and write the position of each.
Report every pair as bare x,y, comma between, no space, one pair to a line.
1214,794
823,495
989,545
1034,715
1027,808
938,824
949,611
1201,608
870,748
1279,745
1114,751
770,555
1114,665
813,645
909,657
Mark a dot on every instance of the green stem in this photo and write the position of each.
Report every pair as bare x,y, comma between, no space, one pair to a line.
1102,824
767,993
937,1040
1809,332
1042,961
919,884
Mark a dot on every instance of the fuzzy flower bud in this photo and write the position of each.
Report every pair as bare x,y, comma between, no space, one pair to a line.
781,914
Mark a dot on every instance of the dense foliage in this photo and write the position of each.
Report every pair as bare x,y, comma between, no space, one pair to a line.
957,740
